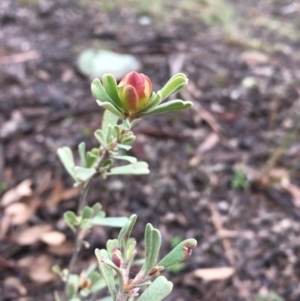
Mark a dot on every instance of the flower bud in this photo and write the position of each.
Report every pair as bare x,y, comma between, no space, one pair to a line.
134,90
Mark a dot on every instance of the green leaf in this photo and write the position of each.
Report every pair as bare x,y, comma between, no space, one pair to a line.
109,118
110,245
57,296
181,252
70,219
155,99
97,207
125,234
107,272
91,159
99,92
82,155
117,222
87,212
152,246
101,137
174,84
172,105
98,285
66,157
138,168
124,146
110,85
84,174
130,159
92,267
158,290
108,106
72,286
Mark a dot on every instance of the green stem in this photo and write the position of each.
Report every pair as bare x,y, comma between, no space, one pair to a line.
82,202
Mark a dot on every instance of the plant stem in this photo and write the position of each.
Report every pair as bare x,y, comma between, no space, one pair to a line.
82,202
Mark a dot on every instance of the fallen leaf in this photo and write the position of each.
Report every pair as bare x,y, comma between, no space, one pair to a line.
15,194
214,273
15,283
210,141
254,57
5,223
32,234
53,238
39,268
19,213
59,194
66,248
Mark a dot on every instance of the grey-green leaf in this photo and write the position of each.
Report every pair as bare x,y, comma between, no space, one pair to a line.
66,157
124,146
152,246
109,118
130,159
110,85
84,174
111,108
174,84
181,252
70,217
99,92
158,290
82,155
107,272
138,168
172,105
99,134
117,222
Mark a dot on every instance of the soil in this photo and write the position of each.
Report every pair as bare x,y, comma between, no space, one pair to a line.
225,172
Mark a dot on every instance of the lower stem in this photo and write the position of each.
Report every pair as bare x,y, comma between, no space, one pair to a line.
82,202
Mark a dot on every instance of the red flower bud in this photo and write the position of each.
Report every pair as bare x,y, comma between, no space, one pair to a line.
135,90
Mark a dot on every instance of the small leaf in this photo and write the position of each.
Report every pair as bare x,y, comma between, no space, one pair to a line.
72,286
108,106
155,99
101,137
175,83
84,174
107,272
181,252
57,296
125,234
97,207
109,118
124,146
70,219
117,222
138,168
92,267
66,157
152,246
158,290
99,92
98,285
82,155
172,105
126,158
91,159
87,212
110,245
110,85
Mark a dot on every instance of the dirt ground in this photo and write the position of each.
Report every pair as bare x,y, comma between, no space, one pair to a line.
226,172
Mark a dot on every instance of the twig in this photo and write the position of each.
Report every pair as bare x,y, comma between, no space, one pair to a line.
20,57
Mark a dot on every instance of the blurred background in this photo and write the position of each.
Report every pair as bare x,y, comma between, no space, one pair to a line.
226,172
